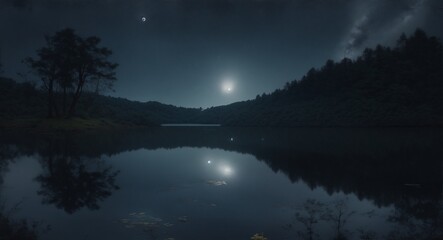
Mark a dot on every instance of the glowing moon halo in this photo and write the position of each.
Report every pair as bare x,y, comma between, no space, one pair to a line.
227,86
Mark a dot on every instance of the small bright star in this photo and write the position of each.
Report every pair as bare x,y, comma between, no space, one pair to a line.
144,19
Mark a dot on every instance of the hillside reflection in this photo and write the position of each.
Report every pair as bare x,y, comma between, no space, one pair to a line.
399,167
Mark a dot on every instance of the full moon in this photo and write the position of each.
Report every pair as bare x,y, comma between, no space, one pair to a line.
227,86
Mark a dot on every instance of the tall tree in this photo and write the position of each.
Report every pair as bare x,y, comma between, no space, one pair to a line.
67,64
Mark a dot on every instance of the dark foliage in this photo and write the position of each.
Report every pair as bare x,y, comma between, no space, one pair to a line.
400,167
383,87
24,100
20,99
67,65
349,157
401,86
70,185
139,113
16,230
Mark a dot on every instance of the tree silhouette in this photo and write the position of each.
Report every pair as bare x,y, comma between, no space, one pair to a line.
339,213
311,213
417,219
70,185
72,182
69,63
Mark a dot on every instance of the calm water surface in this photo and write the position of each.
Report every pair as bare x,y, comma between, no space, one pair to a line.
226,183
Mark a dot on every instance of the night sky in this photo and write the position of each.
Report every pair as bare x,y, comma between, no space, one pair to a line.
202,53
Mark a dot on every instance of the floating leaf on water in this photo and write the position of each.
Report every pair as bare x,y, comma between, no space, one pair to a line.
133,214
217,182
213,205
168,224
129,226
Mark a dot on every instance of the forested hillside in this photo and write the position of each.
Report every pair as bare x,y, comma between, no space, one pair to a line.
401,86
24,100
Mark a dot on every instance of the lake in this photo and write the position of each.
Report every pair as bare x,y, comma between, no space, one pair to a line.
225,183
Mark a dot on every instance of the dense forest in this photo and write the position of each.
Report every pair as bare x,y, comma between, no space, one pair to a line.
399,86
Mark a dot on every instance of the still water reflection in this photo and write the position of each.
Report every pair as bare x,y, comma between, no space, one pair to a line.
224,183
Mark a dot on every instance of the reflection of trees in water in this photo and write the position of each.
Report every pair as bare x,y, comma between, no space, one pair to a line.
16,230
312,212
373,164
7,154
415,219
12,229
71,182
338,160
338,213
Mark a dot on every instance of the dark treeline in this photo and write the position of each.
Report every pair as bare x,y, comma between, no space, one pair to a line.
349,157
407,163
400,86
25,100
383,87
71,72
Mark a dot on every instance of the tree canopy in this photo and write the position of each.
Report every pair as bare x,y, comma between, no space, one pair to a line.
383,87
67,65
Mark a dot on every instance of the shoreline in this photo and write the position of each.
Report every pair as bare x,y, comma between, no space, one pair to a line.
49,125
77,124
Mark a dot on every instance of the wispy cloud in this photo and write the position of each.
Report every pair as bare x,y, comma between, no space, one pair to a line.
380,21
